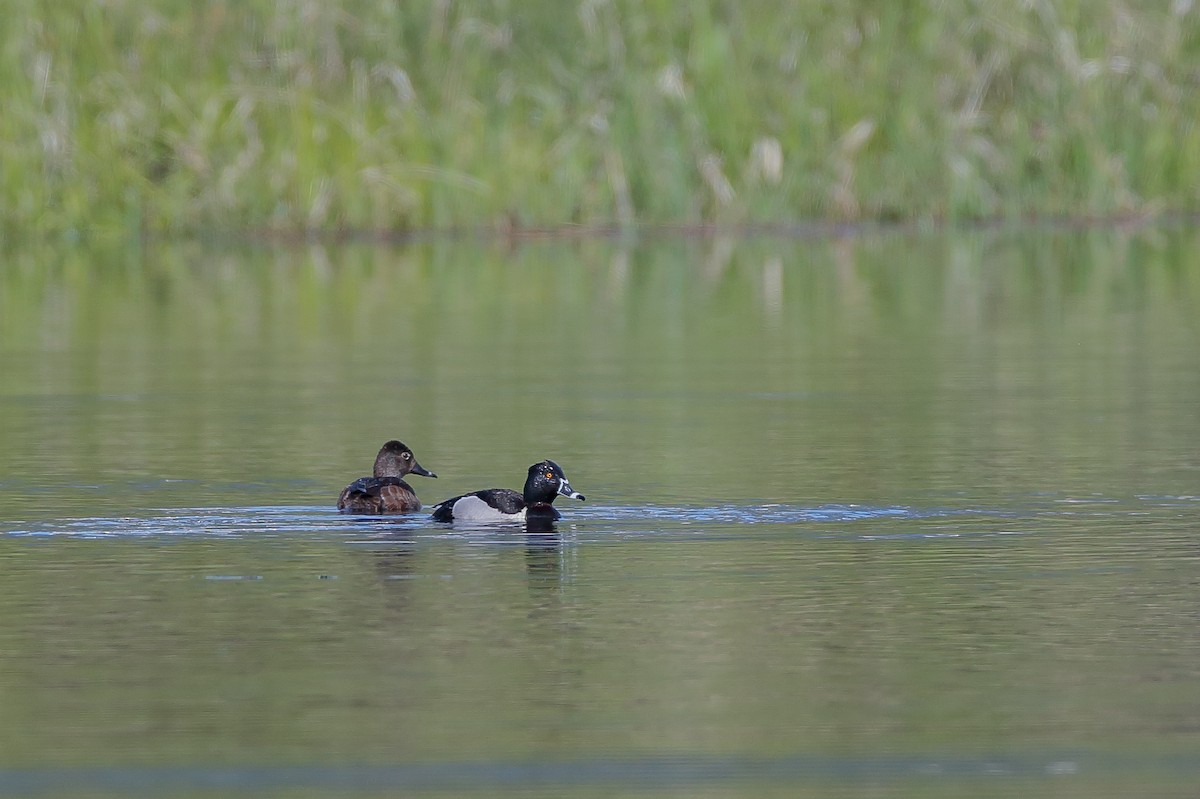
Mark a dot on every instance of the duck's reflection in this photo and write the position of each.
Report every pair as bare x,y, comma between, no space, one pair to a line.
395,561
543,559
400,558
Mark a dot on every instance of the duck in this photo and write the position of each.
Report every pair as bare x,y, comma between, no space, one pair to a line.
546,481
385,491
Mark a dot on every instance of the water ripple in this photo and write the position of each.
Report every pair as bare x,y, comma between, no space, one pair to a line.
862,522
647,772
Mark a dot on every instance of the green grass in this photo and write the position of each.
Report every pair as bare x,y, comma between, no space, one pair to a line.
299,115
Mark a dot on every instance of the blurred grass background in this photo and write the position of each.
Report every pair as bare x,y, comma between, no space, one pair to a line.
300,115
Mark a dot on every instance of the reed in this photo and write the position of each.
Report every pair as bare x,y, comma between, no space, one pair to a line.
299,115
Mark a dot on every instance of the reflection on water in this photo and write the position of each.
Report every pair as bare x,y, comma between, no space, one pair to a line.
885,517
682,649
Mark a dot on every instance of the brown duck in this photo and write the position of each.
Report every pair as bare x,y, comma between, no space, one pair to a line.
386,491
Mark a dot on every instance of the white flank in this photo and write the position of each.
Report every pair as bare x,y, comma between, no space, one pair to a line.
474,509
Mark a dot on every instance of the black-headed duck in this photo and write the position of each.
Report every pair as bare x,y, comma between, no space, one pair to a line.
545,482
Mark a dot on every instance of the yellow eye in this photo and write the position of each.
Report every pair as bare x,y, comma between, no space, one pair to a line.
549,475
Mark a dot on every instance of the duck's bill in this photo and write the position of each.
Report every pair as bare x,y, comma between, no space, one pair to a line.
421,470
565,489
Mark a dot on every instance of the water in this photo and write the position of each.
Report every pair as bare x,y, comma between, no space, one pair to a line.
890,517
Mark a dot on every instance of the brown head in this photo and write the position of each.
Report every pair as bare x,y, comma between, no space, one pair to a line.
396,460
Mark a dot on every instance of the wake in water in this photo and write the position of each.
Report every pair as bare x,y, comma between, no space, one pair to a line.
596,519
863,522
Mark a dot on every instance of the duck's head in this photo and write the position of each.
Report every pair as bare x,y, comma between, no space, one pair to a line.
395,459
546,481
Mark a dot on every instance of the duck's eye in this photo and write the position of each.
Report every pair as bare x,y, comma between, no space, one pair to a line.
406,456
549,475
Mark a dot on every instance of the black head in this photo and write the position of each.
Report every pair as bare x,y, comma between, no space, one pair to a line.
396,460
546,481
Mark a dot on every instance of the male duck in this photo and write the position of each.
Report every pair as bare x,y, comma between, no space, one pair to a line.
545,481
386,492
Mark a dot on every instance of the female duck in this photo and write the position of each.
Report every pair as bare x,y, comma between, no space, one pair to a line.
545,482
386,492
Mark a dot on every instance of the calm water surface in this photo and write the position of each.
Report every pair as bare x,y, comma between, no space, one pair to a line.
905,516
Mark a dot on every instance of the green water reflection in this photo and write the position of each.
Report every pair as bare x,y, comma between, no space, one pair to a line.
1039,388
844,371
